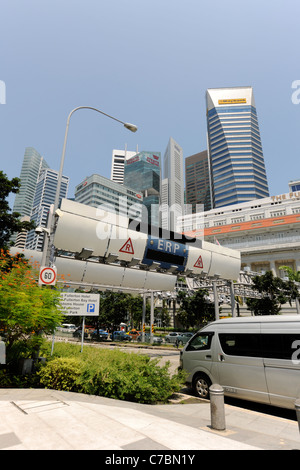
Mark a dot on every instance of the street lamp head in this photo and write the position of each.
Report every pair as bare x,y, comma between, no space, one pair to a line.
38,230
131,127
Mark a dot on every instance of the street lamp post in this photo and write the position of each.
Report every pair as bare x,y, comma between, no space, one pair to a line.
128,126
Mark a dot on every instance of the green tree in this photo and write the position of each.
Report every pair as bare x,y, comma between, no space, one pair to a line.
164,315
135,310
113,308
9,221
292,287
26,309
292,275
195,310
274,292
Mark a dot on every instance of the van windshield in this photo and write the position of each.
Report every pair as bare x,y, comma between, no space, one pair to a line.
200,342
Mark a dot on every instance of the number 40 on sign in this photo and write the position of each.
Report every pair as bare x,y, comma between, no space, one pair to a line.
47,276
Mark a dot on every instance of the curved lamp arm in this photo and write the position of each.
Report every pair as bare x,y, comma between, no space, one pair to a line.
128,126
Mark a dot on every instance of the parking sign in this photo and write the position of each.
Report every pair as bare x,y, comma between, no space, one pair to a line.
79,304
90,308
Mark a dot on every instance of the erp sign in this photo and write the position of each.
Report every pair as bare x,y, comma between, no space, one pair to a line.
166,252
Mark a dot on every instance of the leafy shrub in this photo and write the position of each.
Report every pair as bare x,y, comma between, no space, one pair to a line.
61,374
113,374
14,380
131,377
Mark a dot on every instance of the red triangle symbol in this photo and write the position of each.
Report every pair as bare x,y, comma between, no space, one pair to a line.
199,263
127,247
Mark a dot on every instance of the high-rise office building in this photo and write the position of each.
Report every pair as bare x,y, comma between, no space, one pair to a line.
294,185
172,186
197,181
100,192
33,163
143,173
117,164
236,159
43,198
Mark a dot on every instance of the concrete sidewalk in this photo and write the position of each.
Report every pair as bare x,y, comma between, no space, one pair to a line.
34,419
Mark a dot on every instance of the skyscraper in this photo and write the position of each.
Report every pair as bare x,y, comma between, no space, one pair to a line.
172,186
98,191
197,181
142,173
43,198
236,159
33,162
294,185
117,164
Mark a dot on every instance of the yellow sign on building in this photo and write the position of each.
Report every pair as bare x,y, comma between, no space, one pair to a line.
233,101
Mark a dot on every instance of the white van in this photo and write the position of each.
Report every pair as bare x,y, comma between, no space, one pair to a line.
68,327
253,358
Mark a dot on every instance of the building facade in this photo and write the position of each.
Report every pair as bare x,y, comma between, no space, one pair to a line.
197,181
44,196
118,162
172,186
32,164
236,159
266,231
294,185
98,191
143,174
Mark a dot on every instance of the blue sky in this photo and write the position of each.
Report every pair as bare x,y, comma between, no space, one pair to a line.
149,63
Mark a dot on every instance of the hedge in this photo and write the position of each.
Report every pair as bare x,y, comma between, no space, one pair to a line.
109,373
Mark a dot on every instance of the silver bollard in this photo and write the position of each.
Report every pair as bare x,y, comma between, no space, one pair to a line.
297,407
217,409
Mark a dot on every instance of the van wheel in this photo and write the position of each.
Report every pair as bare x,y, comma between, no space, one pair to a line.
201,384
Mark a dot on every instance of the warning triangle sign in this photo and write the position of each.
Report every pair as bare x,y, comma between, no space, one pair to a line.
199,263
127,247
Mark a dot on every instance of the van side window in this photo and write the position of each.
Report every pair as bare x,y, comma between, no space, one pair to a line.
279,346
200,342
241,344
268,345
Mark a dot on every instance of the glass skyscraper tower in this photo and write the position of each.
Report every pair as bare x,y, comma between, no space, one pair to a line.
236,159
43,198
143,173
33,163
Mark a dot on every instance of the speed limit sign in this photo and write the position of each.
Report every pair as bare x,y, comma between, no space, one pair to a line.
47,276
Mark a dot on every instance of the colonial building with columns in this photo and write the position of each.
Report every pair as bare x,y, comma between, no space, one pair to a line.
266,231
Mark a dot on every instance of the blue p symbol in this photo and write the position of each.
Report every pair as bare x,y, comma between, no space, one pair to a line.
90,308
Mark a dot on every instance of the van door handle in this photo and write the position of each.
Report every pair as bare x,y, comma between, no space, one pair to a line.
208,356
221,357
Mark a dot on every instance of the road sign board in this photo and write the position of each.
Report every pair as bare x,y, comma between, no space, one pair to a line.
127,247
166,252
199,263
80,304
47,276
